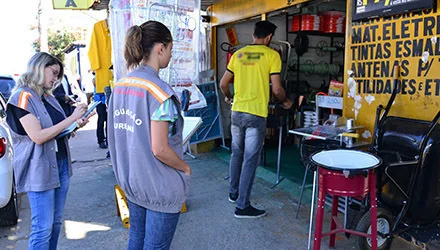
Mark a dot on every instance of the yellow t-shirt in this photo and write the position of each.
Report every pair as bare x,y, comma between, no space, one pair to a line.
252,67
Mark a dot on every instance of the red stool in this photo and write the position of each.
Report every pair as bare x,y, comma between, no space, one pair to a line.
338,181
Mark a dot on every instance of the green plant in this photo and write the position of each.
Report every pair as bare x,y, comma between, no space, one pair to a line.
57,41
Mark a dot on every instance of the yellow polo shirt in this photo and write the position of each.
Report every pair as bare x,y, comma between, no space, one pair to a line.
252,67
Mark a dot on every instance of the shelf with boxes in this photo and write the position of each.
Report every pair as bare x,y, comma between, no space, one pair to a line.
325,22
325,34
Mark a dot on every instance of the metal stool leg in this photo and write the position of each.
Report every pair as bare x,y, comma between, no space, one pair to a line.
319,214
346,212
188,152
280,140
301,193
312,208
333,222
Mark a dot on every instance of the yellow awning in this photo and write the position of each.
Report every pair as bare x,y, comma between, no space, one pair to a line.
72,4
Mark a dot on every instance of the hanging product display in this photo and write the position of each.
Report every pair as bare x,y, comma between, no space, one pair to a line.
100,52
182,18
232,36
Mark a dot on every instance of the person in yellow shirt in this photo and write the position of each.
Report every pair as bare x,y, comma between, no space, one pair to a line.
252,68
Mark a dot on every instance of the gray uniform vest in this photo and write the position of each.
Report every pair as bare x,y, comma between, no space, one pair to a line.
145,180
35,166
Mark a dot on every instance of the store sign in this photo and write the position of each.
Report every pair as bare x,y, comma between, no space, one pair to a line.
364,9
73,4
401,51
409,41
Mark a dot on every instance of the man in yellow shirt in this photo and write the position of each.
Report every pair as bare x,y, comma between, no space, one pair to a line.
252,68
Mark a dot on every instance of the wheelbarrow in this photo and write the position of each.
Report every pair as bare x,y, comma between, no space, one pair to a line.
408,189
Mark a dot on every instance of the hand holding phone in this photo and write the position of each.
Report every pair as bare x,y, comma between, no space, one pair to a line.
72,98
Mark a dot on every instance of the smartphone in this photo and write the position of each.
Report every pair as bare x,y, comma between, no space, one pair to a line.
72,98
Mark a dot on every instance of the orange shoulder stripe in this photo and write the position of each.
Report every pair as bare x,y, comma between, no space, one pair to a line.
151,87
23,99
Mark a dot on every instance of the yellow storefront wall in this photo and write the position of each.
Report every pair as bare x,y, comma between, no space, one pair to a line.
228,11
374,48
72,4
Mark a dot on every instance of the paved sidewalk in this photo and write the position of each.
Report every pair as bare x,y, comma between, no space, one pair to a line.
90,220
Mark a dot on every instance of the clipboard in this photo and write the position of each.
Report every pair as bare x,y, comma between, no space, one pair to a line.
71,128
190,126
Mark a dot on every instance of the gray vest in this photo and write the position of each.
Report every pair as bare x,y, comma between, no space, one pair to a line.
35,166
145,180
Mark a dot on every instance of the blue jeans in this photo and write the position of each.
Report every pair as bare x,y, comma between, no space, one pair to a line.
101,127
150,229
47,210
248,133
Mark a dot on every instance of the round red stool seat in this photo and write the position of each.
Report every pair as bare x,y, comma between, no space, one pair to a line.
347,173
336,183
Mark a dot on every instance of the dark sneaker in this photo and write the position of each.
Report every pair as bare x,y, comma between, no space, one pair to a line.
103,145
233,197
249,212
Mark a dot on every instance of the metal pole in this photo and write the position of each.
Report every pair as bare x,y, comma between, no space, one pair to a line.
280,139
345,211
312,209
78,58
188,152
302,191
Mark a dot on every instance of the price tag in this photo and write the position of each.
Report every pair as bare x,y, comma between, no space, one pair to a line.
329,102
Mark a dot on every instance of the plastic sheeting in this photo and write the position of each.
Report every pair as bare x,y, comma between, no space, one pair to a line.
182,17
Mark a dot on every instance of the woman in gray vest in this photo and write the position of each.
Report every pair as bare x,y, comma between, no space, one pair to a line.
42,167
145,139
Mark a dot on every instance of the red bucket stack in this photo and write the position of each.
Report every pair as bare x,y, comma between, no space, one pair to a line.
333,22
308,22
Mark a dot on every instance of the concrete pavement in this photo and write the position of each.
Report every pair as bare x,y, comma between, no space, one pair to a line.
90,220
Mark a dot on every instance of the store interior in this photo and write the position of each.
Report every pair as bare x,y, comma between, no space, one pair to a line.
310,40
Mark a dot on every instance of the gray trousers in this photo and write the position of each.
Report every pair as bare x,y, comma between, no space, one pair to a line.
248,133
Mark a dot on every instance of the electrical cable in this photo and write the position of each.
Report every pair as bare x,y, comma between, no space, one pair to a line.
310,68
230,48
324,94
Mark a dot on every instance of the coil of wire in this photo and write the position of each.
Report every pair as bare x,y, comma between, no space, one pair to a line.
333,22
307,22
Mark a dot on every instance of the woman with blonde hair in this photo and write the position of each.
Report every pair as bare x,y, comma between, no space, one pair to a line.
145,139
42,167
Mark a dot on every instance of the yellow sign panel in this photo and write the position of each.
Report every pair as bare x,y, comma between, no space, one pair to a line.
409,42
72,4
227,11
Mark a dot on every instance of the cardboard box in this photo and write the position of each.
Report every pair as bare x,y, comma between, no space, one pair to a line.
203,147
336,88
